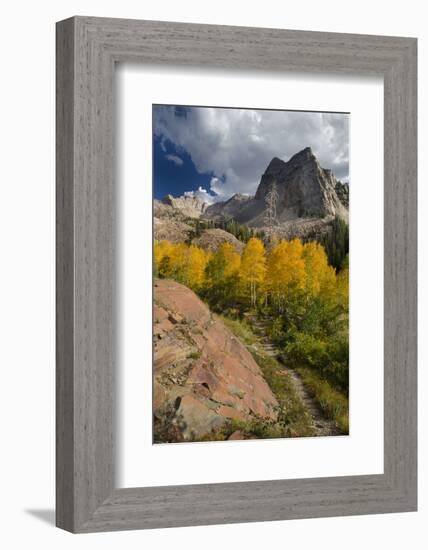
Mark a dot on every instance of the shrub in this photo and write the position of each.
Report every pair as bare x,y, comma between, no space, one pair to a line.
334,404
276,332
329,357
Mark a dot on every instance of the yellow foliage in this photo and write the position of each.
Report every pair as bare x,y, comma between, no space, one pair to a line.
161,249
320,277
253,262
232,259
179,261
198,259
285,269
289,269
253,267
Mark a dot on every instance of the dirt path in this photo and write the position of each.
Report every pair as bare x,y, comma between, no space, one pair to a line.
322,426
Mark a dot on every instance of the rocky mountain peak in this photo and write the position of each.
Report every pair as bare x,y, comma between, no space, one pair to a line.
275,166
303,187
304,154
304,191
189,206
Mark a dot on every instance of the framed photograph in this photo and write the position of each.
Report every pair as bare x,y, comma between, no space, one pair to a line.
236,274
251,276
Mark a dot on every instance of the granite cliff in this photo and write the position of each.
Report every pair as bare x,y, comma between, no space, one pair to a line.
302,187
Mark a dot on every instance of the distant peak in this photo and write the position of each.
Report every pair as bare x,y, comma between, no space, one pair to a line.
302,156
275,165
170,199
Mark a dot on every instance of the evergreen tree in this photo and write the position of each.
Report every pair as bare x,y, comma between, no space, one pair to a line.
336,242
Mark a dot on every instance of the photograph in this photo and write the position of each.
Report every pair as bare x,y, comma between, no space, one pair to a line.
210,274
250,274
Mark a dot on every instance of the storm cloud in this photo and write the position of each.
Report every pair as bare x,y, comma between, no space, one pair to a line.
236,145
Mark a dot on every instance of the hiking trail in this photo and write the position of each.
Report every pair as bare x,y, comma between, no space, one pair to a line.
322,425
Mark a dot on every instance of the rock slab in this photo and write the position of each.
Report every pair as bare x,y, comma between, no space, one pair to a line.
203,375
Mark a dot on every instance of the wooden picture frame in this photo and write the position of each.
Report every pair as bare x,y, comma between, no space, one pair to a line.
87,50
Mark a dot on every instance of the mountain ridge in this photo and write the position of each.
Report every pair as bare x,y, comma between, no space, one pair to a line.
304,190
294,198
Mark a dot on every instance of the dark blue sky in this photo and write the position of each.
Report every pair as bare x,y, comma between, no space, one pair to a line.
171,177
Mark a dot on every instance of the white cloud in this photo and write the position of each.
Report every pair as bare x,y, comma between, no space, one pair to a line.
176,160
203,194
217,187
236,145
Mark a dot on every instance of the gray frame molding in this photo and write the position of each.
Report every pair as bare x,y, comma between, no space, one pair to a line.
87,50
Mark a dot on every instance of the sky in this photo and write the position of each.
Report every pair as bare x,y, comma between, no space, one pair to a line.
213,152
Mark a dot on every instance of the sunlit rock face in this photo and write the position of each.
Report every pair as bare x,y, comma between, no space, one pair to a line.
203,376
304,190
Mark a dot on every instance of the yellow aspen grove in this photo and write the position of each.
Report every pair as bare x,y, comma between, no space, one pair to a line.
184,263
225,263
285,271
253,267
161,250
319,275
291,270
232,259
179,263
198,260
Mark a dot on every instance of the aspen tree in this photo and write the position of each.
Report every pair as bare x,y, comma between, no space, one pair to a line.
285,272
253,267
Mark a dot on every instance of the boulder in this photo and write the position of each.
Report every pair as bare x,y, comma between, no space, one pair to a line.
203,375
